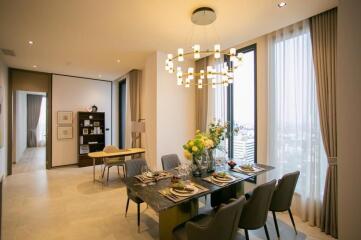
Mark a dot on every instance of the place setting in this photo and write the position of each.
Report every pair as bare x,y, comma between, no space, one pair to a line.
179,190
149,177
249,169
220,178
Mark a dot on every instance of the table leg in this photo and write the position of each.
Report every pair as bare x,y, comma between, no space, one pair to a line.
172,217
93,169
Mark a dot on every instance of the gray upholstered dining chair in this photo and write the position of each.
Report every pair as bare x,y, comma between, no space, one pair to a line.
254,214
133,167
282,197
223,224
170,161
115,161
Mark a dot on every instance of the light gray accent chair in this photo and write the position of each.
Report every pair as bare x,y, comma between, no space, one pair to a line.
255,210
111,162
282,197
170,161
222,224
133,167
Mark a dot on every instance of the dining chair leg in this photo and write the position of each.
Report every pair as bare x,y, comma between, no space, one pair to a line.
266,231
293,222
138,216
118,170
103,170
108,175
246,233
276,224
126,207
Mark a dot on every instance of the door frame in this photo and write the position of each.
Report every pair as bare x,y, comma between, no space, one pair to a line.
26,80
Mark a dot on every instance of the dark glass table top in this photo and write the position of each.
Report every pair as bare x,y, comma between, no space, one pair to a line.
151,195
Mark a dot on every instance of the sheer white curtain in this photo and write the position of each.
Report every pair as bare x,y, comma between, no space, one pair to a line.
217,103
295,141
41,128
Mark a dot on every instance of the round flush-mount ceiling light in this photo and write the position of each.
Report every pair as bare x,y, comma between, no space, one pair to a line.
282,4
203,16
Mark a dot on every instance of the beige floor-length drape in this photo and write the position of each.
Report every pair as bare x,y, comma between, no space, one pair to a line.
323,35
134,92
201,98
33,109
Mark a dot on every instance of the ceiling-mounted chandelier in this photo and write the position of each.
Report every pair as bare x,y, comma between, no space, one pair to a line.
223,75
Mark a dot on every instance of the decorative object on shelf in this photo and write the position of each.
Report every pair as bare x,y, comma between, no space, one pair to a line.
65,117
86,123
84,149
65,132
194,149
96,124
209,76
94,108
85,131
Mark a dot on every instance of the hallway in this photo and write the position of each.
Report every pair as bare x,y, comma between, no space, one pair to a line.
33,159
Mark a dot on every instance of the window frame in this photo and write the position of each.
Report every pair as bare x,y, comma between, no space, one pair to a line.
230,104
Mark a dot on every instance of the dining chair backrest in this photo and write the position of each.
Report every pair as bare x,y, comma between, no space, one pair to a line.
224,224
170,161
282,196
254,214
133,167
111,149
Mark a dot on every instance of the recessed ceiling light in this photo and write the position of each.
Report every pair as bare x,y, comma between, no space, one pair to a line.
118,60
100,75
35,66
31,42
281,4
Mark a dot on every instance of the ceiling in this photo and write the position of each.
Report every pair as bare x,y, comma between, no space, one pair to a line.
87,37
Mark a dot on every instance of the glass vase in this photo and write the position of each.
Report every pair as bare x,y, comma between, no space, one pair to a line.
211,162
196,166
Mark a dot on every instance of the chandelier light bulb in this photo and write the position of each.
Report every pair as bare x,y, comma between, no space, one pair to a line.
209,72
201,74
179,82
230,80
187,85
199,86
190,73
197,50
180,54
225,83
170,56
232,52
217,51
240,56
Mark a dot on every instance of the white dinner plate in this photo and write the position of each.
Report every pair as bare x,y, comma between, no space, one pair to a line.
184,193
226,180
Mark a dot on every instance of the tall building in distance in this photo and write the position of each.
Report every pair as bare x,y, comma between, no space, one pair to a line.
244,145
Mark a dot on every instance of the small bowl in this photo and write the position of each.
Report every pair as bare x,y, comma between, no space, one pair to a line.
232,164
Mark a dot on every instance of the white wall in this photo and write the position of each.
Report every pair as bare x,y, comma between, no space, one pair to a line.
168,110
348,92
149,108
76,94
21,123
175,111
3,118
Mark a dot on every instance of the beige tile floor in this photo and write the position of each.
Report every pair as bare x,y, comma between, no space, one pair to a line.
64,203
33,159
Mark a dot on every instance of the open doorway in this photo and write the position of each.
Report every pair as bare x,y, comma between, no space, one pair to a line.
30,131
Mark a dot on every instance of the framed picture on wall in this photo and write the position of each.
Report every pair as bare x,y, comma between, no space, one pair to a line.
65,132
65,117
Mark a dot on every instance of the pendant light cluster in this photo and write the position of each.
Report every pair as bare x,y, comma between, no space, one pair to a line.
208,76
222,76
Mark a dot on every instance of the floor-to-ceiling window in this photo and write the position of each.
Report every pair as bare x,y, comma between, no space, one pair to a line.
242,108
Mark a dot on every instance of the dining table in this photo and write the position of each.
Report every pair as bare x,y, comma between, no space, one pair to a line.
172,211
121,153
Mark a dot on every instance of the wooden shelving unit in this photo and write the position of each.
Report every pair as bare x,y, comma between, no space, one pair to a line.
91,136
